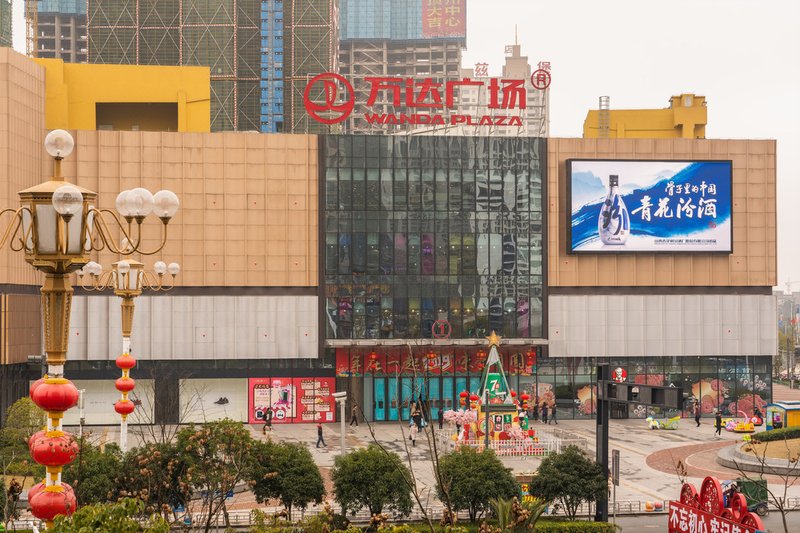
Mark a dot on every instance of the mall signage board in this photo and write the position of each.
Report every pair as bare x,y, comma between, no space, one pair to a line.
329,98
623,206
688,519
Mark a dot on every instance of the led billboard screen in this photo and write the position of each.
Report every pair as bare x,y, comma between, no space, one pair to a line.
619,206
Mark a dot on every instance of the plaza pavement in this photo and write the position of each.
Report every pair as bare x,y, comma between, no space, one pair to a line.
647,469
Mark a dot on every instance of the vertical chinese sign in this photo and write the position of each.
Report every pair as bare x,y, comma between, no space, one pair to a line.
444,18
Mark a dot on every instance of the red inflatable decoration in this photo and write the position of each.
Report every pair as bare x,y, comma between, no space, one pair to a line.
707,511
53,501
55,394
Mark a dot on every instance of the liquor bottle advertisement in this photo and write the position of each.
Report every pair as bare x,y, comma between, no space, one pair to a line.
649,206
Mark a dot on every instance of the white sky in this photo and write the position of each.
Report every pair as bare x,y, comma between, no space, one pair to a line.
743,55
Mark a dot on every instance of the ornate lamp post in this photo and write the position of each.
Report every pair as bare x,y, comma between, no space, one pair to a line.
128,278
57,226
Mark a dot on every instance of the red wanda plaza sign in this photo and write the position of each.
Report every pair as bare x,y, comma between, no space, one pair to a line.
329,98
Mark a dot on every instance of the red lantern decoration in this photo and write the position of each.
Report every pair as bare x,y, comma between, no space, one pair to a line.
36,384
525,396
530,358
474,398
36,489
125,362
373,356
125,384
53,501
463,395
513,394
124,407
57,450
432,355
55,394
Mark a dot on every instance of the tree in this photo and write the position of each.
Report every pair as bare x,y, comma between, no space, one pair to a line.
372,478
473,478
285,471
777,493
126,516
23,419
569,478
155,473
94,474
217,456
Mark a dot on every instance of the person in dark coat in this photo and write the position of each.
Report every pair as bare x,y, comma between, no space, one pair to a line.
697,413
354,417
535,415
267,420
718,423
553,414
440,414
544,414
320,439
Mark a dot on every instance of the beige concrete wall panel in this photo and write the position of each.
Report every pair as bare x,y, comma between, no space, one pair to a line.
753,261
242,196
22,322
197,327
22,93
662,325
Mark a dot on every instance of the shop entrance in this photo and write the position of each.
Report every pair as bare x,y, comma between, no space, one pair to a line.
619,410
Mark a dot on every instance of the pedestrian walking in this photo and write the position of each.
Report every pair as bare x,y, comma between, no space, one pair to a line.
544,414
354,417
535,415
553,414
697,413
440,414
718,423
320,439
267,421
413,435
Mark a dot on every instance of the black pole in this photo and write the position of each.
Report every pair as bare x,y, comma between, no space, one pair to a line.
601,512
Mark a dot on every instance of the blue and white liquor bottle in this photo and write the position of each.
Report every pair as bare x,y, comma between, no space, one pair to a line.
614,224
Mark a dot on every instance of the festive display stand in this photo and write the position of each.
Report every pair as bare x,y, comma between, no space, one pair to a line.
708,512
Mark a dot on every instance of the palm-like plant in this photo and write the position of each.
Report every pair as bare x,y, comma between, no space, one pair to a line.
517,517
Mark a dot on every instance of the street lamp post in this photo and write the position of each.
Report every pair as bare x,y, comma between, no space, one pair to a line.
56,226
128,278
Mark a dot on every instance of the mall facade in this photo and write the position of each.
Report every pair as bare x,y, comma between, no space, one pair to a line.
378,264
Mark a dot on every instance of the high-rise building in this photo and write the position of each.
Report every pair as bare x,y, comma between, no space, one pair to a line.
272,95
400,39
58,29
311,35
222,35
5,22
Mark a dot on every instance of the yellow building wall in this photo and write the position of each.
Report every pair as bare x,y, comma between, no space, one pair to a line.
677,121
73,91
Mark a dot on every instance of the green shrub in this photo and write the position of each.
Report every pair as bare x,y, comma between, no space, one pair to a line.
776,434
574,527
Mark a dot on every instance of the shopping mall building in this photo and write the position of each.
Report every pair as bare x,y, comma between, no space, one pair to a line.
378,264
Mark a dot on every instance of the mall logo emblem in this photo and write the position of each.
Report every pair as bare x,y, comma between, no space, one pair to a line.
326,87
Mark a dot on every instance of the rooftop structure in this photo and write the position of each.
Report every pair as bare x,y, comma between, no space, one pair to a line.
686,117
57,29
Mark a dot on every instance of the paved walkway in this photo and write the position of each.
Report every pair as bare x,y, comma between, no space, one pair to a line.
782,393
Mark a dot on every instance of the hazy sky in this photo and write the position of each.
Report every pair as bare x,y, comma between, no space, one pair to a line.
743,55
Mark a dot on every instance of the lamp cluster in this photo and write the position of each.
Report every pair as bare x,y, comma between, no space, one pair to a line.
56,226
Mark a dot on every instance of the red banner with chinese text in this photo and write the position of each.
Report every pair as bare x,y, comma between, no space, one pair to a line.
444,18
685,519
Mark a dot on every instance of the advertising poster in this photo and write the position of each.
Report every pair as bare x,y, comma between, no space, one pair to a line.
293,400
649,206
444,18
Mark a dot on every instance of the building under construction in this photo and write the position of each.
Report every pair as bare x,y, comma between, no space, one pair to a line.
56,29
311,44
5,23
402,39
223,35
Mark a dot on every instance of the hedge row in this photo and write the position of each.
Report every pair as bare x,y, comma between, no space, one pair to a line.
776,434
574,527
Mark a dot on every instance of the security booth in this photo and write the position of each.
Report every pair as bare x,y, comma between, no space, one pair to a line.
782,415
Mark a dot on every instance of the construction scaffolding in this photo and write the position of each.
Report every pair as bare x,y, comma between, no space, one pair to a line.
223,35
311,28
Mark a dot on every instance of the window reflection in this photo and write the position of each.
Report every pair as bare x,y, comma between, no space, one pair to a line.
418,231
